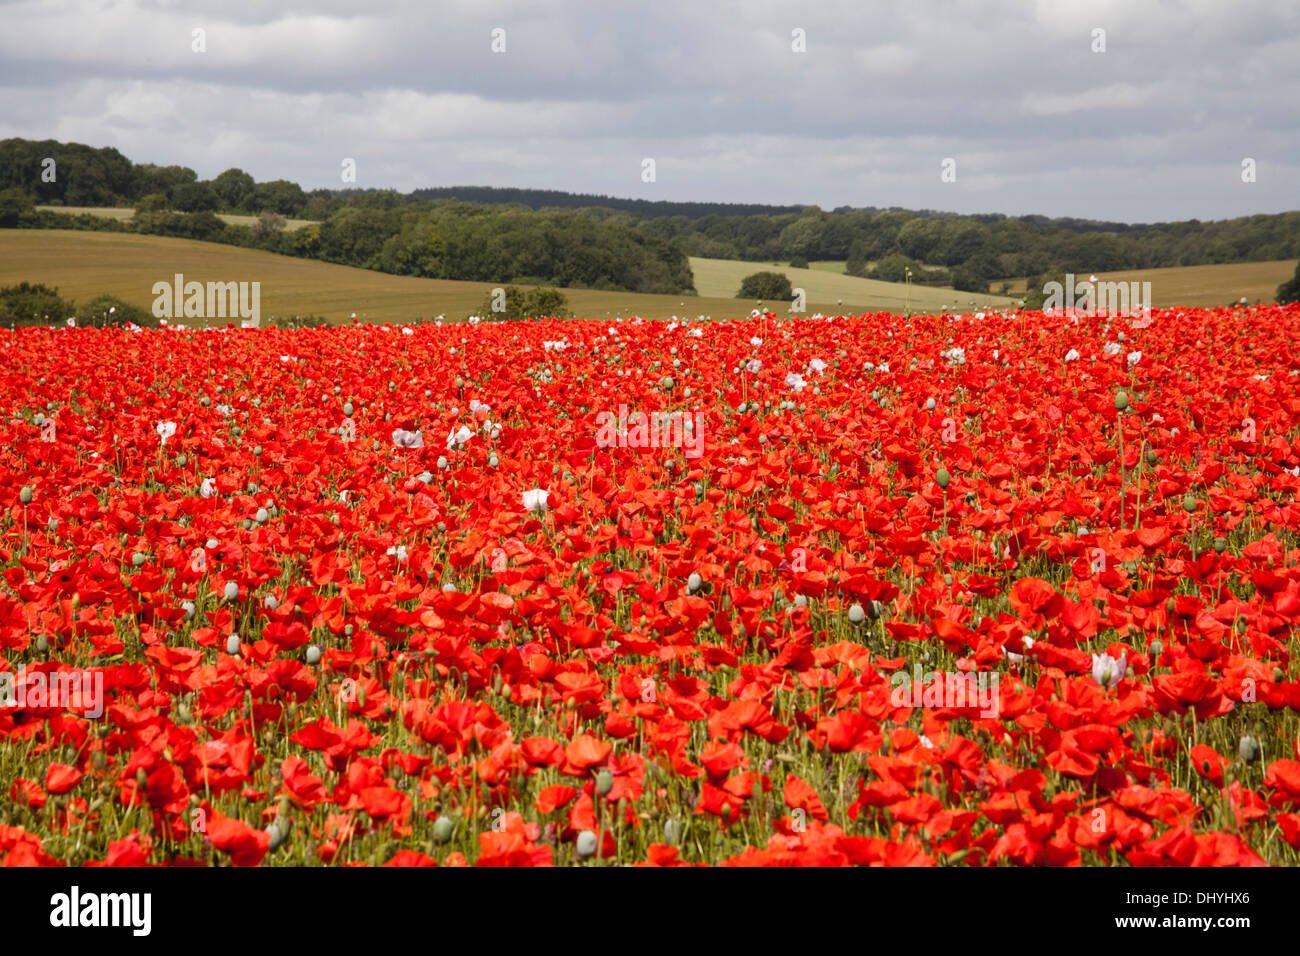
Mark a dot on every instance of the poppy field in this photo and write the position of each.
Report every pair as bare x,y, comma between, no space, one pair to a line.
994,589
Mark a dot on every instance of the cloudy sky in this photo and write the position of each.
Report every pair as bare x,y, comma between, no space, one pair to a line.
1156,127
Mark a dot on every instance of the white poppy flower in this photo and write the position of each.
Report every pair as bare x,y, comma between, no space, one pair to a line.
536,499
405,439
1107,671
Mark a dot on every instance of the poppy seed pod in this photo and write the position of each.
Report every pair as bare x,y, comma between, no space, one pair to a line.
442,829
1121,401
313,654
856,614
1248,749
941,477
25,496
1189,503
586,845
232,644
694,582
277,834
231,591
604,782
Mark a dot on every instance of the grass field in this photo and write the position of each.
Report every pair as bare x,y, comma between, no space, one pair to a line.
1202,286
123,213
722,277
85,264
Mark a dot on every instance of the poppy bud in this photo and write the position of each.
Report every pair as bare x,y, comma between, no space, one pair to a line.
141,778
232,644
231,592
442,829
856,614
138,559
25,496
1248,749
941,477
693,582
42,645
1220,545
1121,401
347,409
313,654
1156,648
604,782
1189,503
586,845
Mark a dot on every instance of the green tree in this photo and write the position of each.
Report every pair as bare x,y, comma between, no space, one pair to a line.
16,207
195,197
153,202
769,286
280,196
513,304
31,303
108,310
235,189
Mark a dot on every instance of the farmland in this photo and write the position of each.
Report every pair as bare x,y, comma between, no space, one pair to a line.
722,278
1204,286
955,591
86,264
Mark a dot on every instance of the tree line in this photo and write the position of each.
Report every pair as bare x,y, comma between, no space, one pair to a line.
556,238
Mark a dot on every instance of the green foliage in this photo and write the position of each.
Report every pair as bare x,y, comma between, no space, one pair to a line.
769,286
296,321
895,268
195,197
799,262
16,208
1034,295
108,310
153,202
517,305
599,242
235,189
1289,291
200,225
965,279
31,303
